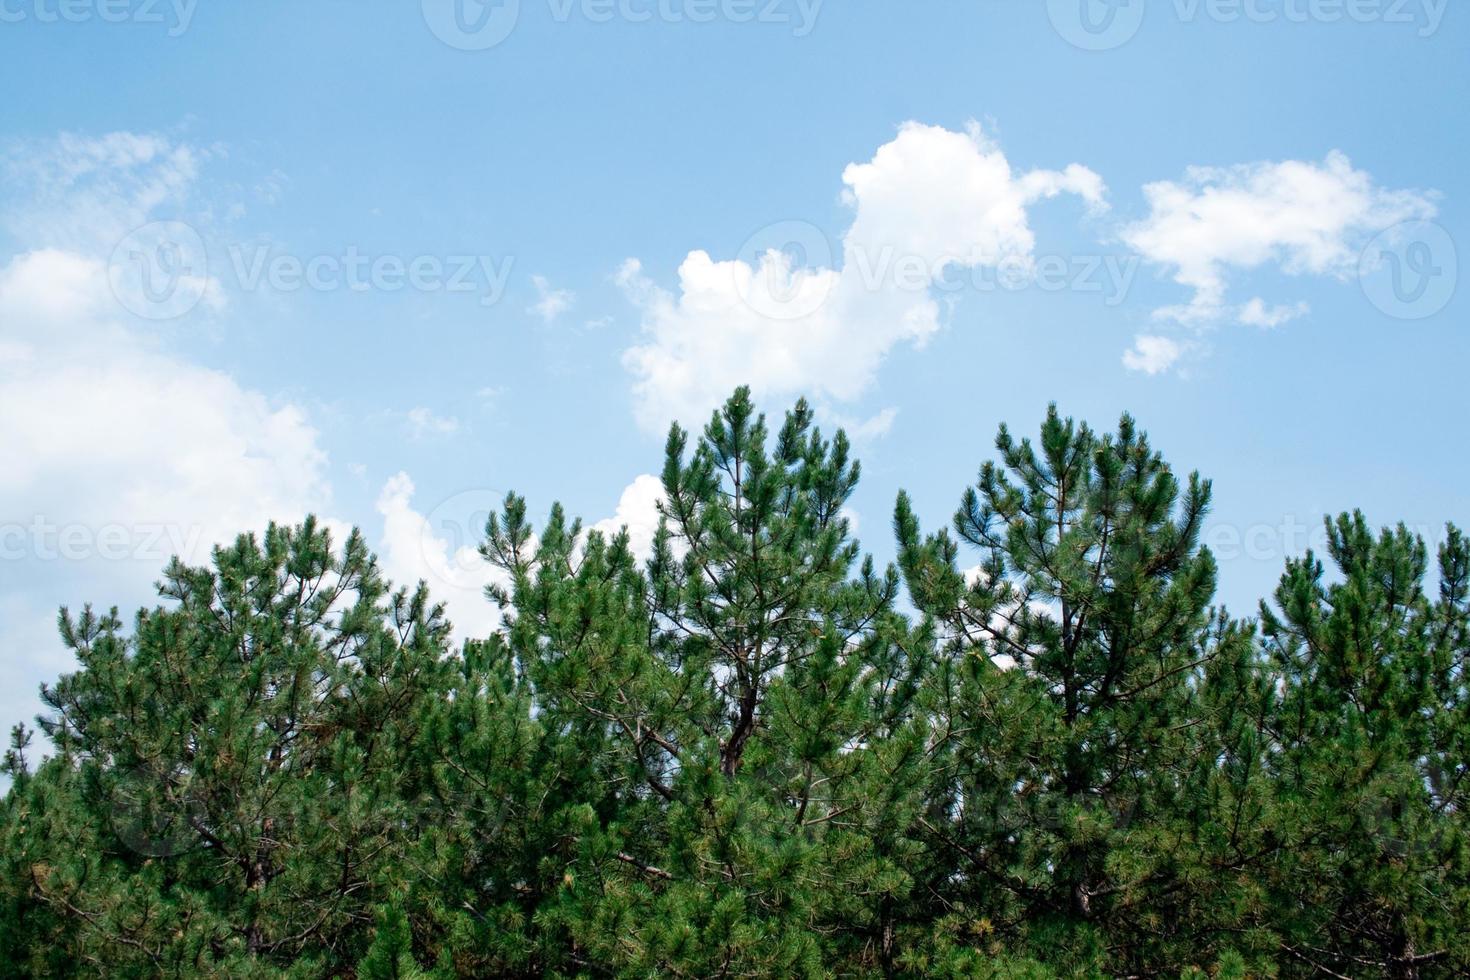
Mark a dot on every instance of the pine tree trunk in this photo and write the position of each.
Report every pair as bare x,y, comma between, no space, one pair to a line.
1404,965
255,881
744,726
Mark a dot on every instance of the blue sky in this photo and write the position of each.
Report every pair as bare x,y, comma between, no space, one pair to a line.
1198,223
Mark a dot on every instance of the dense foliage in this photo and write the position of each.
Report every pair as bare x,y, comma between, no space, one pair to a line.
1034,748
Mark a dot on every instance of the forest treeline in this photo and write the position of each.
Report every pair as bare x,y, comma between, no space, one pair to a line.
1034,747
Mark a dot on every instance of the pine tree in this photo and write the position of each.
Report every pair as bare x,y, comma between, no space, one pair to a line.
741,710
478,870
1074,649
229,788
737,755
1369,759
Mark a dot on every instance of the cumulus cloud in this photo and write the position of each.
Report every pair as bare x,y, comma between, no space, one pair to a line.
146,440
441,549
1302,217
638,512
103,427
439,545
118,454
929,200
49,289
951,198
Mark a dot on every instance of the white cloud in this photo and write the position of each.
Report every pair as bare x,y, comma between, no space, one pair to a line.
860,429
49,289
30,653
950,197
117,453
929,200
638,512
423,423
137,438
100,426
441,547
1152,354
1256,313
443,553
551,303
85,194
1305,218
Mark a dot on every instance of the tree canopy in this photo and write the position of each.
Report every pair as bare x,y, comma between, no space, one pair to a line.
1033,747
